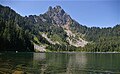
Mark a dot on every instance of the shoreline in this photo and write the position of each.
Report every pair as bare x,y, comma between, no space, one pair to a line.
57,52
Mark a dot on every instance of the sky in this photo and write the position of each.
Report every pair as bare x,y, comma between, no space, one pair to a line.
98,13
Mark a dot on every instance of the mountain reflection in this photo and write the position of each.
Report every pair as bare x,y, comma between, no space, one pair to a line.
59,63
39,56
77,61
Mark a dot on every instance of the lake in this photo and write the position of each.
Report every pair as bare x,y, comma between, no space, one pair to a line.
60,63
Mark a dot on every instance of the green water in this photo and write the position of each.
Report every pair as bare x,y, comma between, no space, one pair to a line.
60,63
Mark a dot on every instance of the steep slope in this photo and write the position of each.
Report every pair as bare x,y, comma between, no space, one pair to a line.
61,19
12,36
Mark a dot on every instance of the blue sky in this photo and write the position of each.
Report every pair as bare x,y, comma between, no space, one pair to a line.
100,13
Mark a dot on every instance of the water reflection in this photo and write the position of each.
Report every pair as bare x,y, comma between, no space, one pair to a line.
63,63
60,62
39,56
76,63
51,62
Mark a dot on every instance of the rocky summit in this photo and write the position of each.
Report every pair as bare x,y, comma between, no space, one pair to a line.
58,15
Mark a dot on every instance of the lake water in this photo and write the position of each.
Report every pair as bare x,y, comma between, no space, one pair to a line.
60,63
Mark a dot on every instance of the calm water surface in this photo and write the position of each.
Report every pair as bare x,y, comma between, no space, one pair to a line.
60,63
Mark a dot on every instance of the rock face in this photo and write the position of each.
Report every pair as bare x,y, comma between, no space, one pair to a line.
58,15
60,18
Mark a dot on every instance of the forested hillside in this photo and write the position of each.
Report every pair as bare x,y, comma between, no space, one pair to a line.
12,36
104,39
54,30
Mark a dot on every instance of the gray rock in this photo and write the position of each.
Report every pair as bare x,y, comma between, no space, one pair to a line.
58,15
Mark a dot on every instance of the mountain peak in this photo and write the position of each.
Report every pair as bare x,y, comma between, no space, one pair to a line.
57,7
50,8
59,16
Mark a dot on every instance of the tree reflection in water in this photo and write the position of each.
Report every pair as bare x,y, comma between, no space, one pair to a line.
59,63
